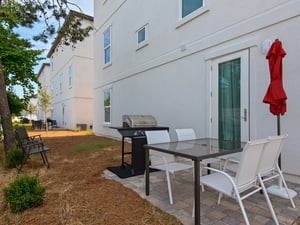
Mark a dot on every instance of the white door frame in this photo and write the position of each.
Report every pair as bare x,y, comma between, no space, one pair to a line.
213,92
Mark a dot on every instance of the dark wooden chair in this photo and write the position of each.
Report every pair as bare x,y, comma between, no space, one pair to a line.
31,145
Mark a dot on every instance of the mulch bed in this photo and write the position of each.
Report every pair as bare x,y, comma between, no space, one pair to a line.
77,192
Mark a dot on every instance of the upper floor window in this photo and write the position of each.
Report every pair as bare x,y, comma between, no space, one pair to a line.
52,66
141,35
107,46
70,75
189,6
56,85
60,83
52,88
107,105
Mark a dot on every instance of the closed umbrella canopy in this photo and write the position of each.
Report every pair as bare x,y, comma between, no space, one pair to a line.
276,95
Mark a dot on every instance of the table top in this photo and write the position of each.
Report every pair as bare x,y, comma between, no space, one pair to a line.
198,149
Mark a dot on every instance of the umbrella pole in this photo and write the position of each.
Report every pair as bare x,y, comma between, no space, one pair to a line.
278,190
278,133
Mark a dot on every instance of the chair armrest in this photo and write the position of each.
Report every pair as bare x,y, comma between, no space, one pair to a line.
234,160
221,172
159,156
33,137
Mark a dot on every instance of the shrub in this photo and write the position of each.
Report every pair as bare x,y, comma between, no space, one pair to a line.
14,157
24,193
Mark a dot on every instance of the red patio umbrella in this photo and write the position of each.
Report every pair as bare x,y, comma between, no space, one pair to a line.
276,95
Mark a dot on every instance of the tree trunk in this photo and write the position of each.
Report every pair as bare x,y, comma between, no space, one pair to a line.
5,114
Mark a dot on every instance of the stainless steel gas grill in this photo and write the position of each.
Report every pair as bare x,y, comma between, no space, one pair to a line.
134,127
139,121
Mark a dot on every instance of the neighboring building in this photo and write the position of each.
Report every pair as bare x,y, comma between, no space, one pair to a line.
171,59
33,104
71,80
44,78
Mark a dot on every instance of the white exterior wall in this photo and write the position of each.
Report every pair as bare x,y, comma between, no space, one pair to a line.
169,78
44,79
73,104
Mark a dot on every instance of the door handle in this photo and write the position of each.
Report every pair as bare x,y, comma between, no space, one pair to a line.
245,115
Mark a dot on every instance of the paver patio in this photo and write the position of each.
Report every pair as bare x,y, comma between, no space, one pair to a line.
227,213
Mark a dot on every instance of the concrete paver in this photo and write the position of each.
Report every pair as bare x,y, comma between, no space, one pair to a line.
227,213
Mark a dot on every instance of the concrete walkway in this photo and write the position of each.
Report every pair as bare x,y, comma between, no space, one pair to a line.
227,213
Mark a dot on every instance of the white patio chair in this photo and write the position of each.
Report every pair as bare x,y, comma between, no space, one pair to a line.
268,167
185,134
245,179
163,161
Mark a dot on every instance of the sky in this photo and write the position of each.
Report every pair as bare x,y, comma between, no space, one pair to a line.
87,7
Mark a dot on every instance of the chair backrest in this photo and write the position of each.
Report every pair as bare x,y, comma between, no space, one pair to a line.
248,166
155,137
270,155
21,135
185,134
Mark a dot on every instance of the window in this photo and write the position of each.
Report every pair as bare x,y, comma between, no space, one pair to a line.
52,66
60,82
56,85
141,35
189,6
70,75
107,105
107,46
52,88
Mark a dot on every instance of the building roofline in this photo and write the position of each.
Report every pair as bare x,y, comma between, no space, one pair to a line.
59,36
42,67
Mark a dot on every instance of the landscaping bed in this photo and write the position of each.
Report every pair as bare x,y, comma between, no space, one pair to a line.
77,192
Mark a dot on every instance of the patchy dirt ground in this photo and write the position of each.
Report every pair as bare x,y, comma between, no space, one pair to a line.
77,193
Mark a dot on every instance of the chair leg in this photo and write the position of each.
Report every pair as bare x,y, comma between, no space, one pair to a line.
169,187
268,200
45,159
220,197
26,156
242,209
286,188
42,155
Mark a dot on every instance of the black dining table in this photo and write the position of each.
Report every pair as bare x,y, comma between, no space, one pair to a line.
196,150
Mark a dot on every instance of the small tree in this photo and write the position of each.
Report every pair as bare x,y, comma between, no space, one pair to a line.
31,108
17,56
45,103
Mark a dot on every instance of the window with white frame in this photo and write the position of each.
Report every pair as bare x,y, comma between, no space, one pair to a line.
70,76
107,105
52,88
56,85
107,46
189,6
141,35
52,66
60,83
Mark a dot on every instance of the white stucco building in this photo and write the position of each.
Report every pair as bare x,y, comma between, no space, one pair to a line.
170,59
44,78
71,80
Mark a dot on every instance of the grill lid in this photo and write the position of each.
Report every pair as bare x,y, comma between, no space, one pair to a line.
139,121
